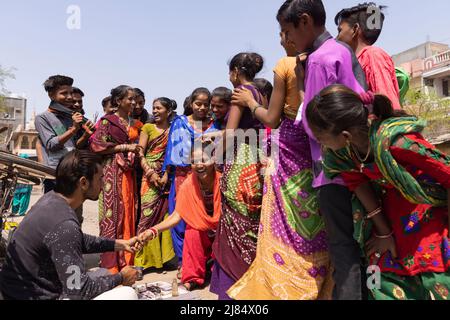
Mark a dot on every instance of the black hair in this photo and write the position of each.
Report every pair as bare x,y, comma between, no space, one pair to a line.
167,103
247,63
360,15
198,92
54,82
187,107
338,108
139,93
105,101
78,91
72,167
265,87
291,10
223,94
119,93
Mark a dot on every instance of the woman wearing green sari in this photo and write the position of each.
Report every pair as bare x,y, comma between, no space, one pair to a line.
409,240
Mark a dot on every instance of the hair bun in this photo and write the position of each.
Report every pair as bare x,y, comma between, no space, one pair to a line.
257,61
174,104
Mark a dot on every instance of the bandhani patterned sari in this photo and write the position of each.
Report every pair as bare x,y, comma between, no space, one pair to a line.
292,260
154,204
242,188
411,177
117,203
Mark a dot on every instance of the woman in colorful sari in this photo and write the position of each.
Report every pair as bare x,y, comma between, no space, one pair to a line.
403,183
118,202
241,184
177,164
292,260
154,198
199,205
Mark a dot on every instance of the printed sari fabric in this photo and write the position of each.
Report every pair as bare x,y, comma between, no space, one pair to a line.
178,155
117,203
413,177
292,260
154,204
242,187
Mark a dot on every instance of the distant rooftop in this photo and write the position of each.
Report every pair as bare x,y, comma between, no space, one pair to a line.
16,95
422,51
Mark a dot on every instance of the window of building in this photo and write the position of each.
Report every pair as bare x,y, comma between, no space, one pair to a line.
25,143
429,83
33,144
445,88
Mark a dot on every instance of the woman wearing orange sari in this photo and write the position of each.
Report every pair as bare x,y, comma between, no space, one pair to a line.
199,205
117,204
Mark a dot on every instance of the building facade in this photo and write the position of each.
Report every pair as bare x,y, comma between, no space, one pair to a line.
13,113
428,66
23,140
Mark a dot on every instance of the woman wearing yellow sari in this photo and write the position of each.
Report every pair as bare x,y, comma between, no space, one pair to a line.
154,195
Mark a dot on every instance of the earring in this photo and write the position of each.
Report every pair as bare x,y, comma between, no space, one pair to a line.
349,146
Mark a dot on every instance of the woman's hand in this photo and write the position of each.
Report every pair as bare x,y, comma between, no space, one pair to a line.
147,236
163,180
135,148
243,97
153,179
378,247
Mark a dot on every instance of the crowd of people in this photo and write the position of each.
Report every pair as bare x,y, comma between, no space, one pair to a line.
352,184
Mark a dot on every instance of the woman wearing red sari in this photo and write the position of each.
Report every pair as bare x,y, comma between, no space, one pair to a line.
117,203
199,205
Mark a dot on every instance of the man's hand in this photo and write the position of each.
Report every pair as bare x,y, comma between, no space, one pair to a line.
133,245
77,119
300,70
129,276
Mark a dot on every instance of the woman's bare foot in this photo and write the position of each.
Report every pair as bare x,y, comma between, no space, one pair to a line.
191,285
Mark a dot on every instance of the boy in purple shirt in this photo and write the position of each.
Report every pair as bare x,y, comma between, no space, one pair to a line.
329,62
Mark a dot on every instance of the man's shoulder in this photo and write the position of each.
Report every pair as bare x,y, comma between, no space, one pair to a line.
374,53
46,116
329,54
52,207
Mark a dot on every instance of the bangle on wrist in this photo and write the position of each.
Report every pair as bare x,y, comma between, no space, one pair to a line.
384,237
374,213
123,147
254,111
154,231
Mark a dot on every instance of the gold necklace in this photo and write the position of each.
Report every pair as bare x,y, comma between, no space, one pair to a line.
125,122
361,161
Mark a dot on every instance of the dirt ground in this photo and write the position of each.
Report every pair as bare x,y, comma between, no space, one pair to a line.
90,226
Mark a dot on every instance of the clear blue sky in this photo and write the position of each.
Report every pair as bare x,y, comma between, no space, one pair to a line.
168,48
